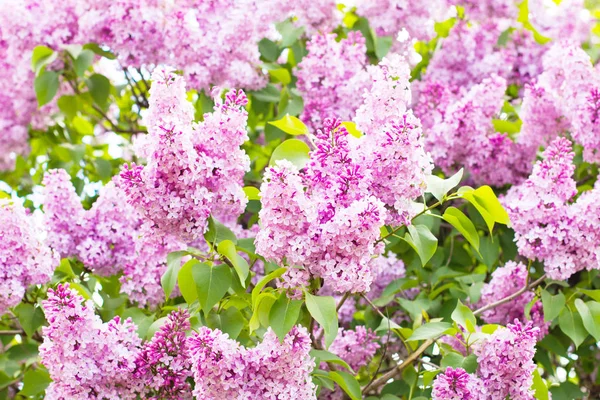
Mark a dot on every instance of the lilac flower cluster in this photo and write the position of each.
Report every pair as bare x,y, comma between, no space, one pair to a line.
456,384
505,368
387,17
505,281
330,76
103,238
193,169
566,97
393,147
506,362
548,226
25,258
355,346
326,218
163,364
272,370
86,358
467,138
322,218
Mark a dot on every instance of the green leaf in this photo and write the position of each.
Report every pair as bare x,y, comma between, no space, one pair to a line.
552,305
281,75
227,249
459,220
169,278
83,126
155,326
594,294
456,360
99,51
382,46
268,49
590,317
217,232
35,382
488,205
83,61
211,284
30,317
420,238
351,129
539,386
252,193
68,105
41,57
283,315
99,87
269,94
229,321
46,85
323,310
439,187
464,317
291,125
571,324
262,308
141,320
326,356
429,331
504,126
293,150
348,383
263,282
185,281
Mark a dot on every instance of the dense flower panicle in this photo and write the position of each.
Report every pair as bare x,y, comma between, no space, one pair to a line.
393,147
142,273
467,138
192,170
505,281
387,268
86,358
103,238
322,218
286,215
111,225
482,10
586,124
506,362
163,365
330,76
547,226
568,19
456,384
272,370
542,118
63,213
355,346
387,17
25,258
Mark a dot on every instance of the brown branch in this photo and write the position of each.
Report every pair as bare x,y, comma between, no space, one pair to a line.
516,294
12,332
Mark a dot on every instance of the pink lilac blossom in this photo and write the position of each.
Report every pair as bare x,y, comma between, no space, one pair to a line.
565,98
387,268
547,226
482,10
333,221
192,169
142,273
392,148
355,346
222,368
330,76
505,281
25,259
103,237
456,384
163,364
568,19
388,17
86,358
467,138
506,362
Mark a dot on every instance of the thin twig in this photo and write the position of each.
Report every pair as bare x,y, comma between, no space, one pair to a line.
516,294
12,332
